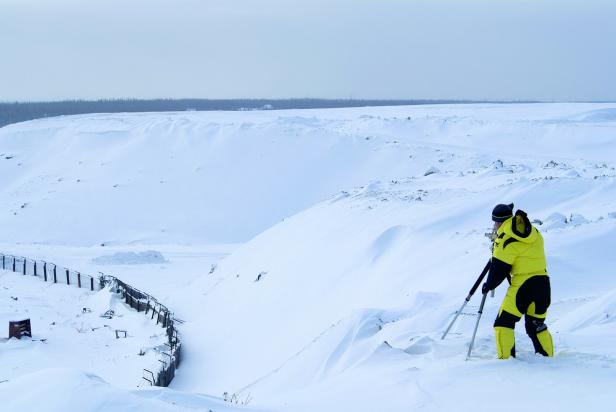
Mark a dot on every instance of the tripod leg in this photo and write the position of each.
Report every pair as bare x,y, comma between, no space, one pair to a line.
455,317
470,295
470,346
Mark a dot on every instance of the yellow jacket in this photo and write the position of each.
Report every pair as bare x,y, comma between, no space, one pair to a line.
519,244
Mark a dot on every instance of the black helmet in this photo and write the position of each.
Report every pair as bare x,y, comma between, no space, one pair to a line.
502,212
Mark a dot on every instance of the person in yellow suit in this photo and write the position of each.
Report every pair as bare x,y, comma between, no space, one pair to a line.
518,255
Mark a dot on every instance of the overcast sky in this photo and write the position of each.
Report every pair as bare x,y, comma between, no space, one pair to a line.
384,49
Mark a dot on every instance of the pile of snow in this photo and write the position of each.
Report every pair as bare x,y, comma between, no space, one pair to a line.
130,258
555,221
599,313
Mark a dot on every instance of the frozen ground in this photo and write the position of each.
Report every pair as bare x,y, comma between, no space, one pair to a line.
317,256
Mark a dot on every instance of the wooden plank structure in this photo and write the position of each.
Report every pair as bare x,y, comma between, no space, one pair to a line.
20,328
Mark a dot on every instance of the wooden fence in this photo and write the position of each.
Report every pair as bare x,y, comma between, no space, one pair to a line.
50,272
136,299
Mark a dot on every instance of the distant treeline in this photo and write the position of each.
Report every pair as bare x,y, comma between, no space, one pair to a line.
22,111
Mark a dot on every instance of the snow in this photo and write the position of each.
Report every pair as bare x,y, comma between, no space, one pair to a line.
68,331
65,389
315,256
130,258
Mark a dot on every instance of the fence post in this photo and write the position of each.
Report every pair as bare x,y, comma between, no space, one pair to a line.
68,277
79,280
92,284
14,264
35,274
25,261
45,271
55,274
3,265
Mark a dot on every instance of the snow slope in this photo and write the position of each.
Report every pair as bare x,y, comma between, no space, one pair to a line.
219,177
174,178
368,281
375,222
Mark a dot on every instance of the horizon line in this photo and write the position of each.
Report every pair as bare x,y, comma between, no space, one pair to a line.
291,99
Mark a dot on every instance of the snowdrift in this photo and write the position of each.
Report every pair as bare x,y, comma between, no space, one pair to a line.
52,390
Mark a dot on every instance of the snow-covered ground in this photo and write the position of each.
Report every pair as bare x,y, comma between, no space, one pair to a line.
69,331
317,256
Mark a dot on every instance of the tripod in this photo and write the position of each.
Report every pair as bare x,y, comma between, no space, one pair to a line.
468,298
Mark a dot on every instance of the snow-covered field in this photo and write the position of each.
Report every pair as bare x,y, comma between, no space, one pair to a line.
316,256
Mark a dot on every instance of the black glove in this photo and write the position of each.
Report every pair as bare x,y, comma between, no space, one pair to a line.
485,289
